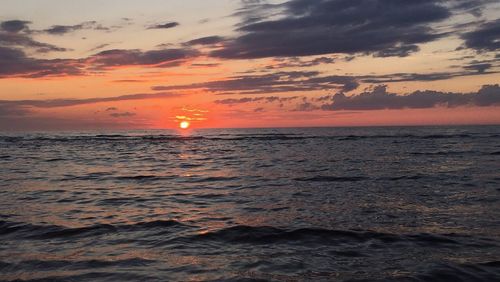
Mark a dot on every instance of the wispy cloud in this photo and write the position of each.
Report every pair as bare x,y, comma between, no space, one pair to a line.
271,83
55,103
166,25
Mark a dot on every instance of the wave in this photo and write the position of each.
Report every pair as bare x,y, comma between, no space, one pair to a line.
442,153
103,176
320,178
47,265
31,231
272,235
486,271
241,234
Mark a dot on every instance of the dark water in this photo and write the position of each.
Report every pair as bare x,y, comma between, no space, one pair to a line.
398,204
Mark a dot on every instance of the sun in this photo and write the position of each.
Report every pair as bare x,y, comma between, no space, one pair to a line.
184,124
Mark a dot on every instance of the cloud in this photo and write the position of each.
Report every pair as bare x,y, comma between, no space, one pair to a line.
485,38
100,46
206,65
305,107
56,103
271,83
379,98
378,27
63,29
209,40
157,58
295,62
164,26
244,100
479,67
14,26
14,62
16,33
471,70
475,7
124,114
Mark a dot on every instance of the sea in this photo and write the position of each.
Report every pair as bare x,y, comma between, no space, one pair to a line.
286,204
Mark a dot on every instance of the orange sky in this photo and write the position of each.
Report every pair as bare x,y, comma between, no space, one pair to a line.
152,64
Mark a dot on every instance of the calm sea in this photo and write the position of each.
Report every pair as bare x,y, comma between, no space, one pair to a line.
322,204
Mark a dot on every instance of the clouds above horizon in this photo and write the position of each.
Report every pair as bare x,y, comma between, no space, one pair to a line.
64,29
271,83
378,98
16,34
485,38
14,26
166,25
15,63
379,27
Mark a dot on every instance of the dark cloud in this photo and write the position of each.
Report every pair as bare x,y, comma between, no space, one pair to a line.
244,100
209,40
88,25
56,103
207,65
111,109
164,26
157,58
471,70
475,7
14,62
379,27
271,83
479,67
63,29
14,26
24,40
124,114
485,38
379,98
295,62
306,107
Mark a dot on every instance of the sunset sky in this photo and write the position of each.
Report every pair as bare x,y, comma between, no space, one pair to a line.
120,64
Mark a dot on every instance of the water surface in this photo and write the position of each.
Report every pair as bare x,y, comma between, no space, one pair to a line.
322,204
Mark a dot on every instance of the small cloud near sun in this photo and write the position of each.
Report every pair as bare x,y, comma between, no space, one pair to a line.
186,116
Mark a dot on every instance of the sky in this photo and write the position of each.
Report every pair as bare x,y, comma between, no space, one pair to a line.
151,64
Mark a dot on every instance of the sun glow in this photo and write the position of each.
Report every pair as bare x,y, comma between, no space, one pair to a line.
184,124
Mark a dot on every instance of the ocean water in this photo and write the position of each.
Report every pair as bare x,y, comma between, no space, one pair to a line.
318,204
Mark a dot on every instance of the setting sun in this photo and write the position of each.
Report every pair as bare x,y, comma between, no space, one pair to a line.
184,124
